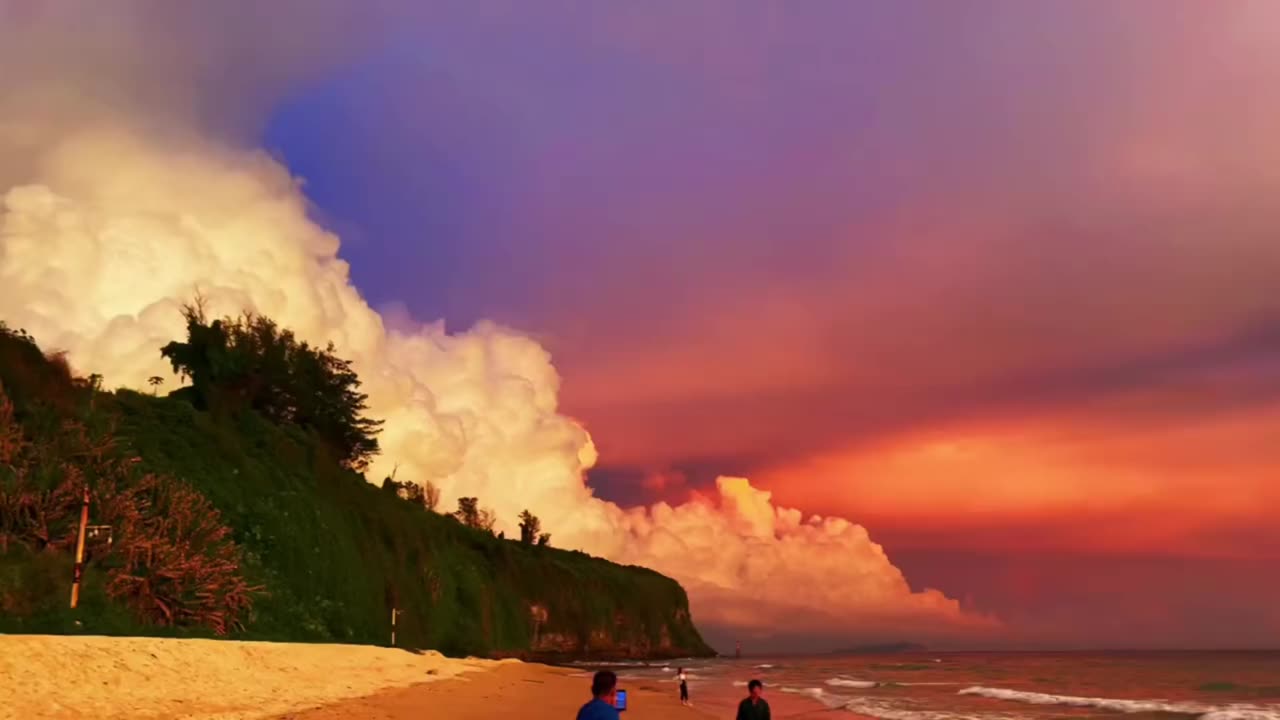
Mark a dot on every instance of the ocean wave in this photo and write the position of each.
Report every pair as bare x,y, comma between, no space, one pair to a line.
822,696
849,683
1242,713
1204,712
888,710
765,666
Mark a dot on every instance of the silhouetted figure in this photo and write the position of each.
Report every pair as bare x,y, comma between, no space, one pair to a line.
754,707
684,686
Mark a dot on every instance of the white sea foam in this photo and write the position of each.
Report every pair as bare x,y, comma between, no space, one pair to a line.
822,696
885,709
1244,713
1117,705
1236,711
764,666
851,683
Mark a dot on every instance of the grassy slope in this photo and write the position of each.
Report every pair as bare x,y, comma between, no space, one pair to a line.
332,550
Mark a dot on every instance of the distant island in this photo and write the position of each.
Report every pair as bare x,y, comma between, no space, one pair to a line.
237,507
881,649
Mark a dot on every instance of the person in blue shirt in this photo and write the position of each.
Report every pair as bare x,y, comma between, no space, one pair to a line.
604,692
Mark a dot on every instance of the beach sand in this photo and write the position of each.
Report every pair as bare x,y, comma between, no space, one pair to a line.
537,692
524,691
113,678
63,677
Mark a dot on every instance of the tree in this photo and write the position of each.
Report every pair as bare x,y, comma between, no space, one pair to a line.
530,526
427,495
430,496
155,381
251,363
468,512
544,539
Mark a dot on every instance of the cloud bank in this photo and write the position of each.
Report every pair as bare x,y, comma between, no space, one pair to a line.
110,230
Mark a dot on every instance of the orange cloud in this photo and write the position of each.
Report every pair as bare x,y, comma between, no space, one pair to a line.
1059,482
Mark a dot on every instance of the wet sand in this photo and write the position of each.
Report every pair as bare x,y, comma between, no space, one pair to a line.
536,692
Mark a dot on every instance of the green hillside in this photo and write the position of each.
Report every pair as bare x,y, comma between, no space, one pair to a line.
312,552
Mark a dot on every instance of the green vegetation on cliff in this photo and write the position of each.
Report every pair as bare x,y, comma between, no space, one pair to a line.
224,522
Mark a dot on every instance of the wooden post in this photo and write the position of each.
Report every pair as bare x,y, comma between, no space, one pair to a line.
79,571
394,612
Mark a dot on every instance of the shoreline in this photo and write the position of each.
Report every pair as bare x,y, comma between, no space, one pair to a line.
543,692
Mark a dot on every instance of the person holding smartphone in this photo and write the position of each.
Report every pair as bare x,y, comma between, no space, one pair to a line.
684,686
604,693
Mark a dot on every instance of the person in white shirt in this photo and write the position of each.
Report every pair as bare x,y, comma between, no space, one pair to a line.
684,687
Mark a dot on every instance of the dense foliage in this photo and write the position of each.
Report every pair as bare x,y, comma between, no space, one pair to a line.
170,561
331,554
250,363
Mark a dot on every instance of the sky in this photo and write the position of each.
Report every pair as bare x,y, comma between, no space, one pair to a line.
996,281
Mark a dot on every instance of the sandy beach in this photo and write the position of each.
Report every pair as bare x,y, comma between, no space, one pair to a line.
537,692
64,677
59,677
523,690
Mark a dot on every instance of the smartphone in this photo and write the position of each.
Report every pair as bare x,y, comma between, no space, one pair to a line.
621,701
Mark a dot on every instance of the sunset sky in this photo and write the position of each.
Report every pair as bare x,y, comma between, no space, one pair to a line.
997,280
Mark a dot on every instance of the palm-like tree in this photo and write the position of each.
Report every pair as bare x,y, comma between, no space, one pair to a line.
155,381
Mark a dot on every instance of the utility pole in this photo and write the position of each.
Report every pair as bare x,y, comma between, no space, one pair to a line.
79,571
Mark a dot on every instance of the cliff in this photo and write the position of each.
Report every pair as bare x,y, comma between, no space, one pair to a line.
295,547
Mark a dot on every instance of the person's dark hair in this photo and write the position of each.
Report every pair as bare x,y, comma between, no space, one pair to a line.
603,682
754,684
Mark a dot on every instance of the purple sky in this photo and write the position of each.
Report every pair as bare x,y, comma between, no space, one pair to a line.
792,239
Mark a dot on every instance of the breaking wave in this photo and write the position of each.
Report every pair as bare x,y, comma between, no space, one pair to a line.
887,710
1201,710
846,682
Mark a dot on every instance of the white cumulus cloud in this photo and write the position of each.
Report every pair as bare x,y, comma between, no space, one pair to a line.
113,231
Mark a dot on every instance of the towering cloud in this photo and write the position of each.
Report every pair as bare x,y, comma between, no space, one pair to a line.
110,230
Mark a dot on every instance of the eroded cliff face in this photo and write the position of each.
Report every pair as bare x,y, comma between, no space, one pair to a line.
623,637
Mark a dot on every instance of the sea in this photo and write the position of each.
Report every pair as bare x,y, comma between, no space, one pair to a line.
989,685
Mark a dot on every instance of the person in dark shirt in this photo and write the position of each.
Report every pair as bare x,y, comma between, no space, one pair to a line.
754,707
604,687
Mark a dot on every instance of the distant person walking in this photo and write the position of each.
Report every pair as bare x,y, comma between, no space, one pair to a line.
754,707
604,687
684,687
